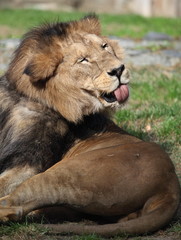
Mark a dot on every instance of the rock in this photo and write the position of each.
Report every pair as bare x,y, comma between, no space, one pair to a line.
171,53
155,36
9,43
177,45
125,43
152,43
3,67
151,59
136,52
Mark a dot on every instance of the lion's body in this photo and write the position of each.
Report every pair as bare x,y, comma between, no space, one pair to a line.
33,137
53,105
26,122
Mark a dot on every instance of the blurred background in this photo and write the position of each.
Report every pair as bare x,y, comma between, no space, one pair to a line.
167,8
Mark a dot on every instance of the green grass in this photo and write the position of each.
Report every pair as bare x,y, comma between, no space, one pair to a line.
27,231
176,227
88,237
120,25
137,26
155,46
21,18
21,231
155,101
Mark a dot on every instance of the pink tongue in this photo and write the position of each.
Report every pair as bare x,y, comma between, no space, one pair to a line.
122,93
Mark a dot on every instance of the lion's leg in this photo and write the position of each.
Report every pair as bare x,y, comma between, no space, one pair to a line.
22,200
42,190
156,213
11,178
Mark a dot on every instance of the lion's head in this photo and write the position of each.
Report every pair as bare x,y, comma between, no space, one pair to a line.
71,68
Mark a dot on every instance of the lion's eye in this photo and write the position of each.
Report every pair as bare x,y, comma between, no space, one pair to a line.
105,45
83,60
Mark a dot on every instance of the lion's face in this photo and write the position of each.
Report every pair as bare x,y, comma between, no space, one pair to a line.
78,74
95,69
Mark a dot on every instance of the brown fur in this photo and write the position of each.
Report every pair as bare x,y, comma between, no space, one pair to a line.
33,67
48,91
113,174
104,171
39,59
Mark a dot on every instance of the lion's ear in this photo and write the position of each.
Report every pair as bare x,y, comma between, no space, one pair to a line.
42,66
90,24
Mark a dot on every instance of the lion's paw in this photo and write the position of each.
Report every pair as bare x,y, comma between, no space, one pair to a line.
10,213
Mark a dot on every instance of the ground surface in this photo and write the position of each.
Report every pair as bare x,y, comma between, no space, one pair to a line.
155,50
155,63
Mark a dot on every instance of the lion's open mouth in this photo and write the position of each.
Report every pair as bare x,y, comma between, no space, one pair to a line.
121,94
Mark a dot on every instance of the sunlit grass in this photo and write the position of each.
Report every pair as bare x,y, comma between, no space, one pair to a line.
155,101
120,25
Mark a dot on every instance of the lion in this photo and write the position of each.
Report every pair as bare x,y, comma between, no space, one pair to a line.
59,146
49,99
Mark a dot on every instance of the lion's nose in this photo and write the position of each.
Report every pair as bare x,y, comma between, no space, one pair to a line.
117,71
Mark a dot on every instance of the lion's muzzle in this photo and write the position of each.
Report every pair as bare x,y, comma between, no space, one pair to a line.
121,93
117,71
